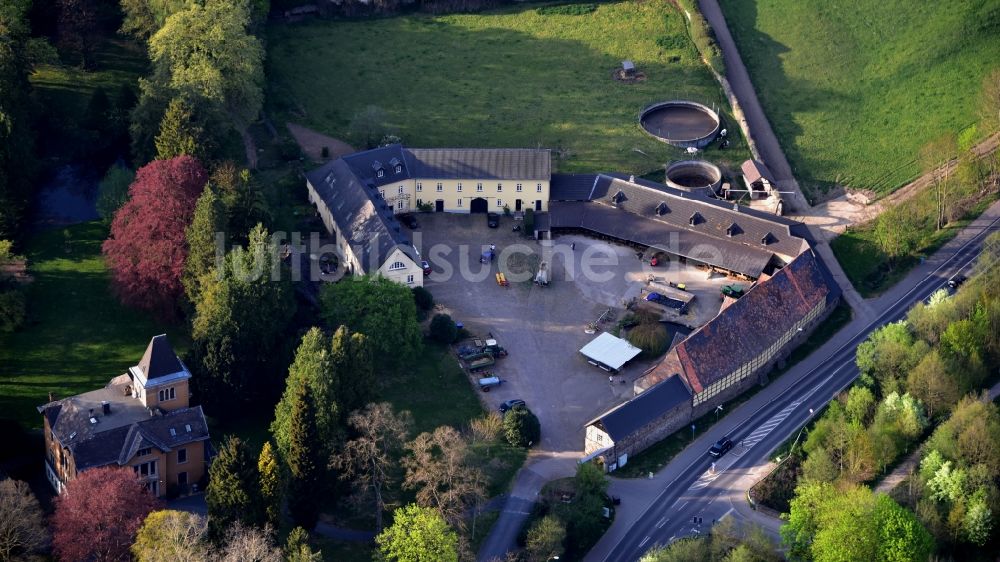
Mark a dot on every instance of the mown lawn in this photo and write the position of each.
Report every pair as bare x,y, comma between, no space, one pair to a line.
854,88
65,89
516,77
77,337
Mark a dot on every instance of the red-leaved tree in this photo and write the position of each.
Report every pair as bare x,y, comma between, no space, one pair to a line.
99,514
147,246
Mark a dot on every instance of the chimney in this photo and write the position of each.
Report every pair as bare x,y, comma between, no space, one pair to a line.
91,412
52,397
106,407
631,179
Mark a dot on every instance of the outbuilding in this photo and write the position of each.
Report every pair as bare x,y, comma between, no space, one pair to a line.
609,353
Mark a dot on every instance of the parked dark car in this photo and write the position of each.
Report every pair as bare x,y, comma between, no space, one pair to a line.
426,267
513,404
956,282
721,447
492,220
410,221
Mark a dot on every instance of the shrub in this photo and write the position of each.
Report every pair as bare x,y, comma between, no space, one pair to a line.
650,337
423,298
487,427
521,427
443,329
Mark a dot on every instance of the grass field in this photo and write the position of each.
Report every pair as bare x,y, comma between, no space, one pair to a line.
77,337
854,88
518,77
65,89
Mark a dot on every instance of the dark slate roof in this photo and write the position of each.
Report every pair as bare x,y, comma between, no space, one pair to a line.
370,227
676,207
119,445
618,223
750,325
115,437
480,163
644,409
571,187
159,360
365,165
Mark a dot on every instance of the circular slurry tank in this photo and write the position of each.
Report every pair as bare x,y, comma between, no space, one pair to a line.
681,123
694,174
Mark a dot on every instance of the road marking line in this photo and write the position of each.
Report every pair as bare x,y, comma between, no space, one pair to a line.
644,541
661,523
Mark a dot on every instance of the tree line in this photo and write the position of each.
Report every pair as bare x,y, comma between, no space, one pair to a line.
920,376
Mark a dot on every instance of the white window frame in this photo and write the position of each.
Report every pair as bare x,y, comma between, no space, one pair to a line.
400,190
420,187
479,187
499,188
459,203
440,187
396,266
379,173
409,279
518,188
538,188
460,187
499,202
185,453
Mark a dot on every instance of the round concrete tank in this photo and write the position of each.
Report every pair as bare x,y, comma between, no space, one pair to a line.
694,174
681,123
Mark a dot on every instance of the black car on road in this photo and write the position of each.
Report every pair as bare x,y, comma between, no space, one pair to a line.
721,447
492,220
410,221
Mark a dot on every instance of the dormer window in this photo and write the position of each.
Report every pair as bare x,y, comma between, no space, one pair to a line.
695,218
399,169
733,229
619,197
377,166
396,165
662,209
767,239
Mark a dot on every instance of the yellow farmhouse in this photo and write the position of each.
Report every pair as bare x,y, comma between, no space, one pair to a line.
358,197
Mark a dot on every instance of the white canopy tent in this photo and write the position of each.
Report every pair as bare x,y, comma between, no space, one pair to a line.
609,353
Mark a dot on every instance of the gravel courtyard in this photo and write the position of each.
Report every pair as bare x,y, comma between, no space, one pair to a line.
543,327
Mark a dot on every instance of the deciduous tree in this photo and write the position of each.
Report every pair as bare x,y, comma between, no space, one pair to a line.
17,162
244,543
146,250
171,535
521,427
418,534
112,192
239,327
99,514
22,525
208,52
234,493
545,539
368,460
438,467
376,305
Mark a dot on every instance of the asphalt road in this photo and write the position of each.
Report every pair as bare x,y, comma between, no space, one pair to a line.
699,491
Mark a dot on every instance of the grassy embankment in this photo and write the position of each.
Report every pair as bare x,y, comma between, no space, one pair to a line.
854,89
516,77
